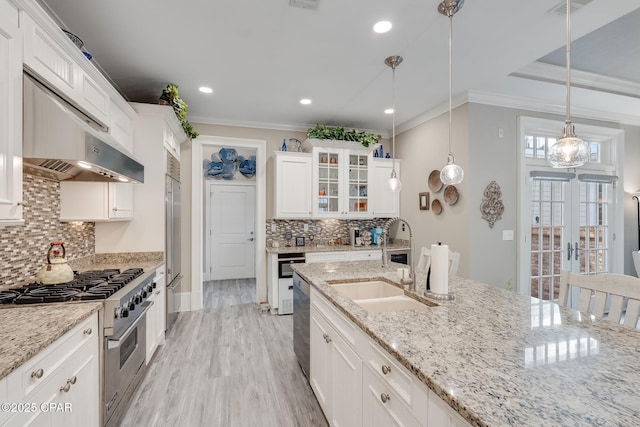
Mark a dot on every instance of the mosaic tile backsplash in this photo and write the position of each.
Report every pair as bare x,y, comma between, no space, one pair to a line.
325,232
23,248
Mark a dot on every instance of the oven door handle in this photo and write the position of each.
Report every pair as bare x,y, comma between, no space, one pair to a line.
111,344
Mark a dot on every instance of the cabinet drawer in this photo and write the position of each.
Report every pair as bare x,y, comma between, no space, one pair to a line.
382,406
389,370
37,370
343,326
371,255
313,257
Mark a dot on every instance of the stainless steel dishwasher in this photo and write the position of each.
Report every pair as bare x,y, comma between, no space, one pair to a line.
301,322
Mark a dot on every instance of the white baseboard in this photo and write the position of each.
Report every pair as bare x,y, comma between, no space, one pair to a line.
183,300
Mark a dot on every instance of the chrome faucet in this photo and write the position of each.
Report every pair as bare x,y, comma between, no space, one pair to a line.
385,252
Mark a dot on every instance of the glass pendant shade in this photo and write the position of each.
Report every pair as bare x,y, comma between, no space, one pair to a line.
452,173
570,151
394,183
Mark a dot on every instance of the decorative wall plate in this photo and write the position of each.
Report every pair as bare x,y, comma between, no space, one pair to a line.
450,194
436,206
435,184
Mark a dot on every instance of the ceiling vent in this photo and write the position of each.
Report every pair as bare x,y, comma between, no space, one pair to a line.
305,4
576,5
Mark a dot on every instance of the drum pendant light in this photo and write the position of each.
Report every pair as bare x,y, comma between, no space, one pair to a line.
451,173
394,182
570,151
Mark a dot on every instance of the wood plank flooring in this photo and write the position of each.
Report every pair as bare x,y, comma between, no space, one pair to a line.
226,365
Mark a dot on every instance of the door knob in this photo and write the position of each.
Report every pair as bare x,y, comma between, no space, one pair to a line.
251,239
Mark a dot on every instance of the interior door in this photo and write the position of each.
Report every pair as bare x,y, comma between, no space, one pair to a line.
231,234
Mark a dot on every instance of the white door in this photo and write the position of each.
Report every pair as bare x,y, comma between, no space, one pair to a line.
571,217
231,231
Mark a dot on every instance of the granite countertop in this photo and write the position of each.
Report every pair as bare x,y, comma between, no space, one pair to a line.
28,329
499,358
336,248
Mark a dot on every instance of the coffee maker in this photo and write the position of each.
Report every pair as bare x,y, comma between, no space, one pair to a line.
355,236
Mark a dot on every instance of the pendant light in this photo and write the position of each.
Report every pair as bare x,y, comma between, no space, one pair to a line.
451,173
570,151
394,182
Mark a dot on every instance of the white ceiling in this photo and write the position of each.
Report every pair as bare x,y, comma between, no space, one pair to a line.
262,56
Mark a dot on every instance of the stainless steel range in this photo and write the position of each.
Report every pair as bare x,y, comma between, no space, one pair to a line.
125,297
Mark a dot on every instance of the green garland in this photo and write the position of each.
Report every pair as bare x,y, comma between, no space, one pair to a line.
172,97
338,133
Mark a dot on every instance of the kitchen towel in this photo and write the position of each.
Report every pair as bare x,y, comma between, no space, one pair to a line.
439,269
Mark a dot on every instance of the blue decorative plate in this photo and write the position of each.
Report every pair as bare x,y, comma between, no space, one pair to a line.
248,167
228,154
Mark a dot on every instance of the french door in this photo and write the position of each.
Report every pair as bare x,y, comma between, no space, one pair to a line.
569,227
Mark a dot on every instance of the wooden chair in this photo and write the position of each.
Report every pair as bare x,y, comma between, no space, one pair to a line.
424,262
597,293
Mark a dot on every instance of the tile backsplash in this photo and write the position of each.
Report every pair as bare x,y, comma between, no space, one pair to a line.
323,231
23,248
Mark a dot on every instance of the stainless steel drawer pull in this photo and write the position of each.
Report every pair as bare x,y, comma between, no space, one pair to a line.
72,380
385,397
65,388
88,331
37,374
386,369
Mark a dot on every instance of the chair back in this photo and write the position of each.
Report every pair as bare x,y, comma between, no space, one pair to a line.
424,262
604,295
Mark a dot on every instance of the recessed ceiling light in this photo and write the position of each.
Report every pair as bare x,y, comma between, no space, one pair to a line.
305,101
122,179
388,111
205,89
382,27
84,165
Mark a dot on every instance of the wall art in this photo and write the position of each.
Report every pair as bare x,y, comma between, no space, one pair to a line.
492,207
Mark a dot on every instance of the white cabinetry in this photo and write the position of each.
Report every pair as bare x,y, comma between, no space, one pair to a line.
64,378
341,183
379,390
292,179
385,203
121,126
157,314
10,115
343,256
336,369
96,201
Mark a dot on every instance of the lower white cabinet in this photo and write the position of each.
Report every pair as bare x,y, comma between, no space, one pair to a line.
96,201
156,316
358,383
336,373
381,406
60,385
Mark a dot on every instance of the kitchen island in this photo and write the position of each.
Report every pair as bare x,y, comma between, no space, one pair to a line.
498,358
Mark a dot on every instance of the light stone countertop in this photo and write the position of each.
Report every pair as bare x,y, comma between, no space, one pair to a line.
501,359
336,248
28,329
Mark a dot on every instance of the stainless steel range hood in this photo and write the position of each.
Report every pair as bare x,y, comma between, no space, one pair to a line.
59,138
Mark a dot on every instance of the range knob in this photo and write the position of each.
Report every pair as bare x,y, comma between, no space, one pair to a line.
132,305
144,293
125,312
117,312
137,299
154,284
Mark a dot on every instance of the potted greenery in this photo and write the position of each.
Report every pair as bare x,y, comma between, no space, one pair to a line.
170,96
338,133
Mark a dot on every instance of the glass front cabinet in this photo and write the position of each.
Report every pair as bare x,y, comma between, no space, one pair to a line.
342,179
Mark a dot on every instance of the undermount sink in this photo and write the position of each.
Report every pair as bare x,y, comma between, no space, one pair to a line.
367,290
378,296
395,303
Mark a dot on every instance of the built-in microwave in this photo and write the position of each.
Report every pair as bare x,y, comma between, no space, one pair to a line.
285,261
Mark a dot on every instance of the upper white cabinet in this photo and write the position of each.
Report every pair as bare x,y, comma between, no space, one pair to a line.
10,115
292,173
385,203
96,201
341,183
48,59
121,125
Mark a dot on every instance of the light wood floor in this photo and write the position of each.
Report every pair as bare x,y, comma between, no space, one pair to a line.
226,366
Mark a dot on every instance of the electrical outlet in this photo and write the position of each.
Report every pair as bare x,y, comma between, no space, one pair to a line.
274,228
306,227
507,234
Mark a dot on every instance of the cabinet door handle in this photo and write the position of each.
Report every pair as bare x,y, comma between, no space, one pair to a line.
22,203
327,338
385,397
65,388
386,369
88,331
72,380
38,373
